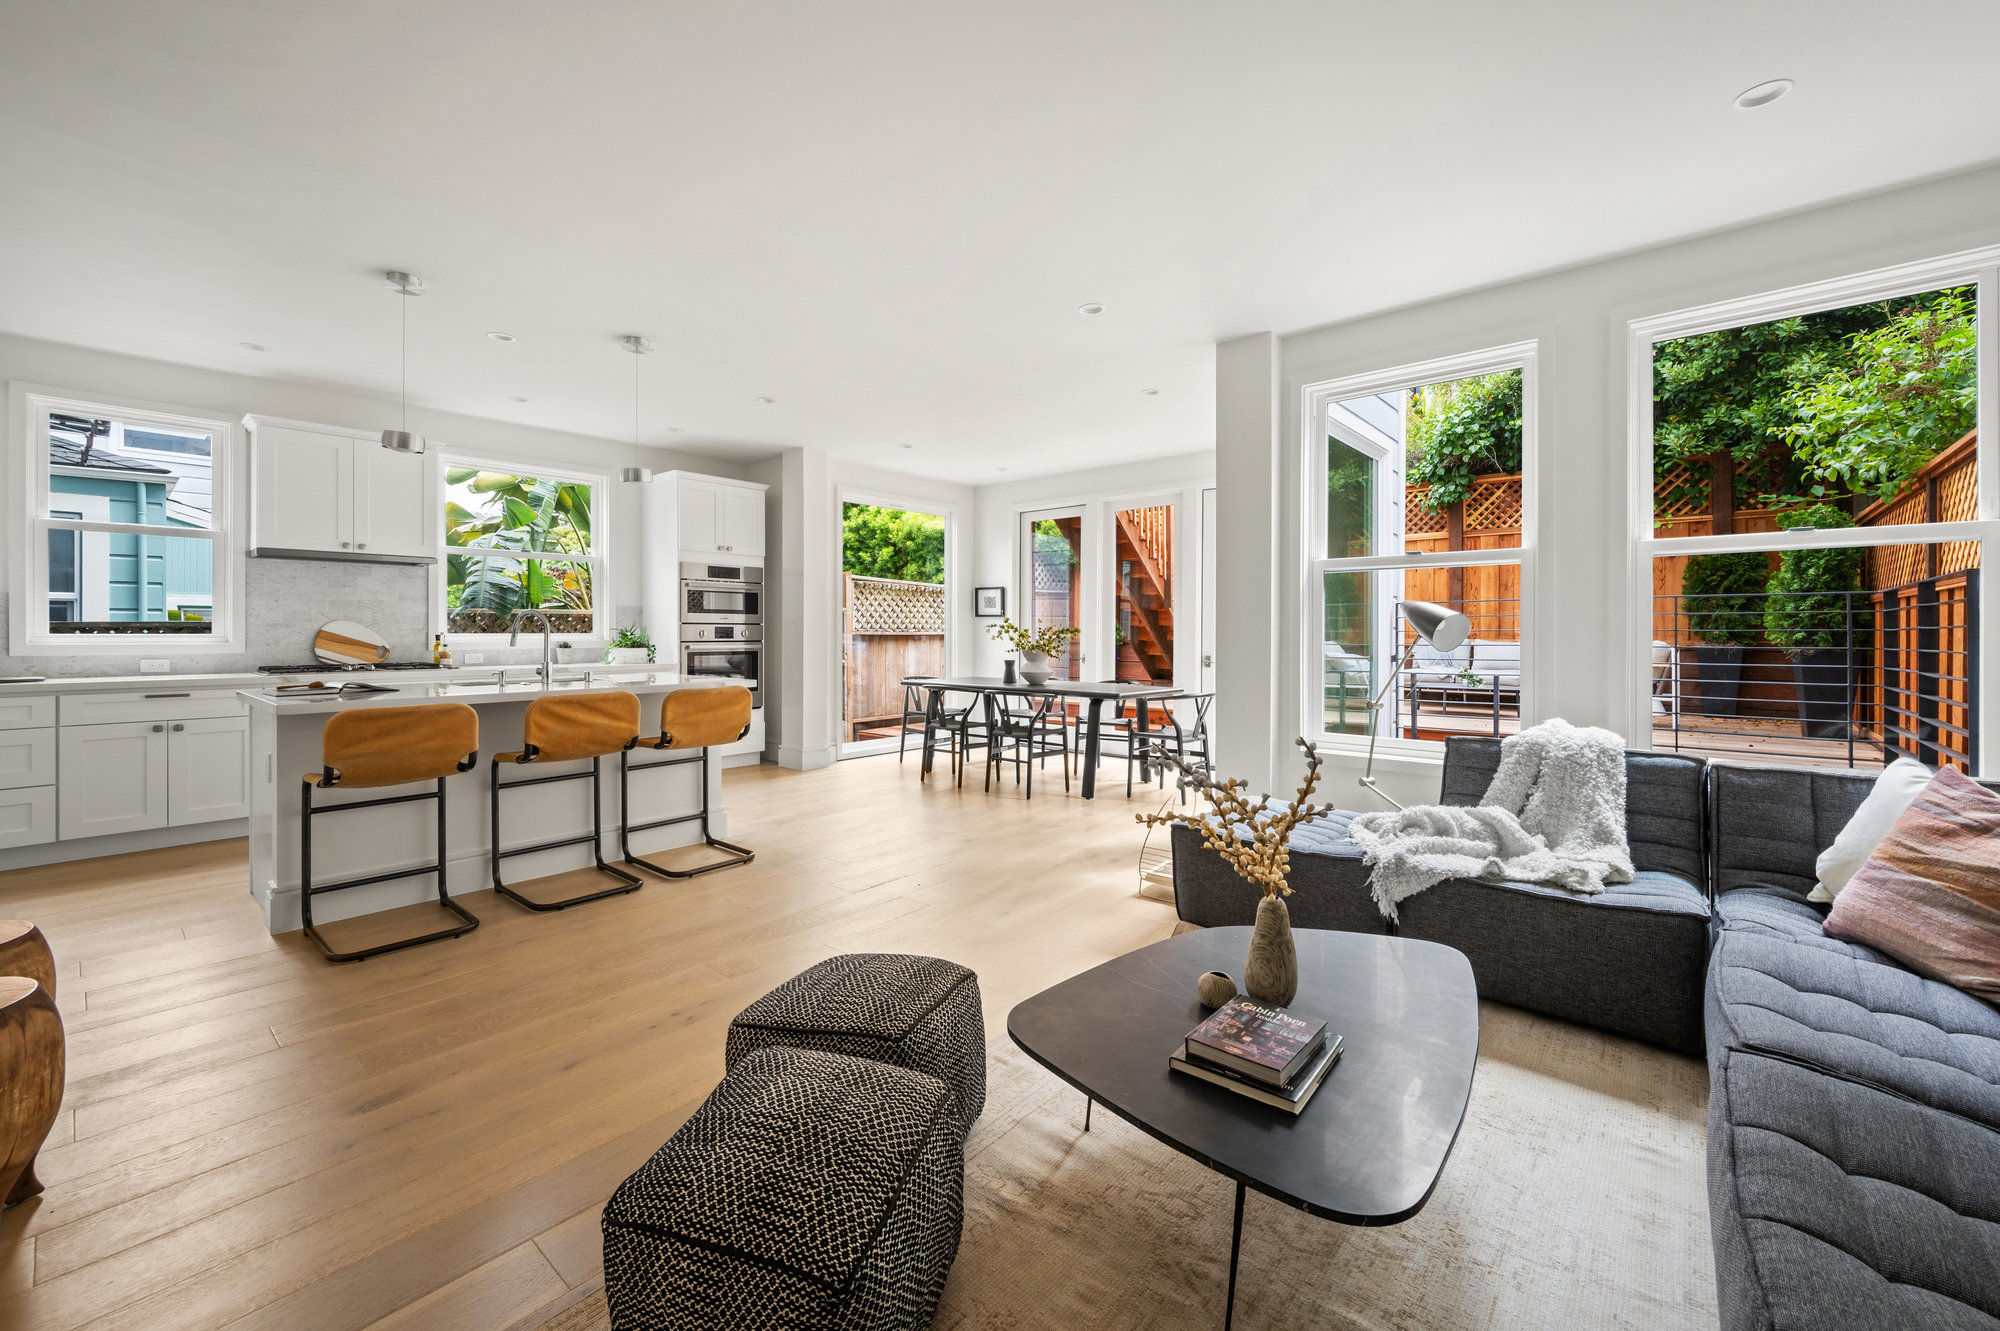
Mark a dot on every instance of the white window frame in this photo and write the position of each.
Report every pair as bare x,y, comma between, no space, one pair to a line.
602,608
1979,269
28,572
1316,398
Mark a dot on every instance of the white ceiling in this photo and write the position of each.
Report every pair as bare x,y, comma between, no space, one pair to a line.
885,215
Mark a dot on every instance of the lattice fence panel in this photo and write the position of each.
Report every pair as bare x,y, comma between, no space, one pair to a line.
1681,491
885,605
1494,504
1417,519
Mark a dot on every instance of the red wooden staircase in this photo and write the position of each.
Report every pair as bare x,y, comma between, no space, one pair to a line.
1145,594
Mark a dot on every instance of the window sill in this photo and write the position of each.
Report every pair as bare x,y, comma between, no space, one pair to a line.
139,644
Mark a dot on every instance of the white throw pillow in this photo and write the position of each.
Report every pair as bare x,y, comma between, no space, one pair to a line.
1898,784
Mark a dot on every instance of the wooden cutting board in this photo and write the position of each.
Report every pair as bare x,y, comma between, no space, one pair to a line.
344,641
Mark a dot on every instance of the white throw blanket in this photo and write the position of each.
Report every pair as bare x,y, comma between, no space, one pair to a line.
1554,813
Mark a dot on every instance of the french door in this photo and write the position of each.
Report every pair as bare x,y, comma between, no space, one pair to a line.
1052,542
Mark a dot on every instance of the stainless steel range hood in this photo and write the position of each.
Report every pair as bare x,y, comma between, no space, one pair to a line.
339,556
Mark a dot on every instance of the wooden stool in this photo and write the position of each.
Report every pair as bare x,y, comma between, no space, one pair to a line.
23,951
689,719
561,729
31,1081
388,746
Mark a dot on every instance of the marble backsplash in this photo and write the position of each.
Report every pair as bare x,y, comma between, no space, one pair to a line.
286,601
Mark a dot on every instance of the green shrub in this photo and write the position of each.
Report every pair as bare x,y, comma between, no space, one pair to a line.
1808,606
1457,431
1721,597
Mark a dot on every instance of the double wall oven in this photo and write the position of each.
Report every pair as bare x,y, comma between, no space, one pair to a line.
722,622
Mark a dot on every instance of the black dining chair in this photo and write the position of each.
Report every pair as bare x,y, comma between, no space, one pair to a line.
953,729
1024,730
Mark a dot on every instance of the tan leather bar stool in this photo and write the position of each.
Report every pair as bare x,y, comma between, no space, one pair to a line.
387,746
561,729
689,719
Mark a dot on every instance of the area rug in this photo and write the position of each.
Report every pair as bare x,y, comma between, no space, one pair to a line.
1574,1198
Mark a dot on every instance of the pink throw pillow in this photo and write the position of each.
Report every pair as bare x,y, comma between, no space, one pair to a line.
1930,894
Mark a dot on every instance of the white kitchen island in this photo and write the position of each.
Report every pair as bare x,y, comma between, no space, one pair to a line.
285,745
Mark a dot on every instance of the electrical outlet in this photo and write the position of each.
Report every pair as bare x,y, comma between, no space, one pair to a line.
154,665
474,658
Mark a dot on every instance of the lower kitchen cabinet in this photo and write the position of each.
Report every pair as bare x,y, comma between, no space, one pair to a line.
27,817
112,778
131,775
208,770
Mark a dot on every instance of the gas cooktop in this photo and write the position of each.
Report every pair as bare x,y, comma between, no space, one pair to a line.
322,667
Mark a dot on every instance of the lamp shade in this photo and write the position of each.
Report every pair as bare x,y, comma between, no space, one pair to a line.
1441,627
402,441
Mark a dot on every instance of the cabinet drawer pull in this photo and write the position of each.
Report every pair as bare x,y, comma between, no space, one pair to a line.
179,726
170,695
158,729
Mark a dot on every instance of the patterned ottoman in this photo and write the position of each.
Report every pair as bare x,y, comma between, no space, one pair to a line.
914,1012
809,1190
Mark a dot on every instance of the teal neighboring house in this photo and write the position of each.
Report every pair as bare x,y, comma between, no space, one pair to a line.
104,471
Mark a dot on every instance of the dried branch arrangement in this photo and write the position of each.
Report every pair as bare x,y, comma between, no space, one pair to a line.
1246,832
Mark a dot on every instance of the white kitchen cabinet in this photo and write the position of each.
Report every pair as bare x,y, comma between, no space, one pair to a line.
208,770
27,758
25,711
719,517
27,817
323,491
111,778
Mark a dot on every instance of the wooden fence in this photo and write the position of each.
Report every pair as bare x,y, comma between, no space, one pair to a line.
889,629
1488,518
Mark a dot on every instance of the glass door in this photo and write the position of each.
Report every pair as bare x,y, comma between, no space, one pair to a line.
892,620
1053,542
1142,593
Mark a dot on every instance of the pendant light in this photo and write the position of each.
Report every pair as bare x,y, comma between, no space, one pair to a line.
638,346
402,441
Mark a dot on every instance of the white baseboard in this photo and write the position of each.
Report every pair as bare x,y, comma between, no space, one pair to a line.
800,759
122,843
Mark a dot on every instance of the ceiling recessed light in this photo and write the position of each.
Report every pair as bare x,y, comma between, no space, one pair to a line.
999,469
767,401
906,445
253,346
673,429
1149,392
501,337
517,399
1762,95
1092,308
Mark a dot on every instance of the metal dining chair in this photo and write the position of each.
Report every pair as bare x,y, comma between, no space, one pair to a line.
1023,731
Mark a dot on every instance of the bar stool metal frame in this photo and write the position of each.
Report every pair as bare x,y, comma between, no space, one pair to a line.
330,779
737,854
531,753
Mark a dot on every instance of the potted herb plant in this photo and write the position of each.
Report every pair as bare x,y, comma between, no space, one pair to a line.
631,645
563,650
1817,614
1035,647
1722,602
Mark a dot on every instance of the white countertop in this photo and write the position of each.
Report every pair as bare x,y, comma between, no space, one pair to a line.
476,686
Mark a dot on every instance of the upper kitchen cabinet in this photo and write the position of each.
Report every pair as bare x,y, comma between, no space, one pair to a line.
322,492
706,515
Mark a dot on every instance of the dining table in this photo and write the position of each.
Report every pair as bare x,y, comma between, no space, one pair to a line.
1093,694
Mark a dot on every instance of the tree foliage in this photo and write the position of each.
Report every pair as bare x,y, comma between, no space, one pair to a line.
1455,432
1810,606
892,543
506,515
1721,597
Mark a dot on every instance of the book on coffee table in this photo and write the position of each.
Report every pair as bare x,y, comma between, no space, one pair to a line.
1259,1041
1291,1099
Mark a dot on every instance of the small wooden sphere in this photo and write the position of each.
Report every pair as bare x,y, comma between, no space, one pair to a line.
1215,988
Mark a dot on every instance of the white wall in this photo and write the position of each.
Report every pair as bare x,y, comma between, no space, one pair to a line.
376,594
1580,590
996,559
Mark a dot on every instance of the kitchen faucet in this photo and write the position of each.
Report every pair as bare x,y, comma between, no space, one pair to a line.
548,659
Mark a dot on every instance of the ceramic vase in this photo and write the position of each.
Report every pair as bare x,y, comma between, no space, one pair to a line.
1035,667
627,656
1271,970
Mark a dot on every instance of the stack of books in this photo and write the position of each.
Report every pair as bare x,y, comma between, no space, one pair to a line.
1260,1051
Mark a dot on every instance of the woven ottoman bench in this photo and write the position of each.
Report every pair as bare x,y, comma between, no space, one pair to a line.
810,1190
913,1012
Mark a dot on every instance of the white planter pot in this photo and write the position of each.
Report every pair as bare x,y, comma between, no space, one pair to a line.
1035,667
563,655
626,656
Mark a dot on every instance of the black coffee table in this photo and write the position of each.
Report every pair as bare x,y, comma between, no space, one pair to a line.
1370,1146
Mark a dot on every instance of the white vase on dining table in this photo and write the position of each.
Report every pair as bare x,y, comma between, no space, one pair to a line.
1035,667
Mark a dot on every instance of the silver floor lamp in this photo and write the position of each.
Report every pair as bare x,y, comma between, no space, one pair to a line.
1444,629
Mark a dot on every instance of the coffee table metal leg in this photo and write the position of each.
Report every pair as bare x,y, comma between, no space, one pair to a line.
1235,1244
1087,1103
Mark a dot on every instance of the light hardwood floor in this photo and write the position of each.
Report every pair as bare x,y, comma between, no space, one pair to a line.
254,1138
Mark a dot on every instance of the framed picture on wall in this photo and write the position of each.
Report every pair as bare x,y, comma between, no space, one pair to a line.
989,601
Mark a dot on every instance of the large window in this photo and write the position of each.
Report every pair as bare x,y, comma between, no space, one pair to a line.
1813,520
518,540
1417,492
128,528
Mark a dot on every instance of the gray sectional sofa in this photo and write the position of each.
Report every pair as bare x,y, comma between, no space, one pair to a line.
1854,1106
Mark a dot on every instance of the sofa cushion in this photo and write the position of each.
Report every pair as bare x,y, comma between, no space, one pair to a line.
1778,912
1850,1012
1328,880
1897,784
1629,959
1663,802
1836,1205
